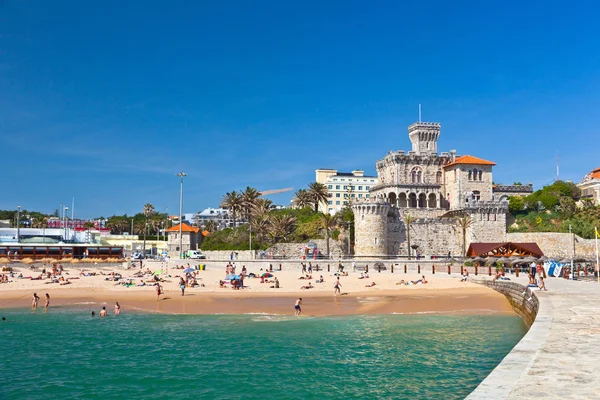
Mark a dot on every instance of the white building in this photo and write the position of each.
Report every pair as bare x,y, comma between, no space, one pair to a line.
590,186
344,188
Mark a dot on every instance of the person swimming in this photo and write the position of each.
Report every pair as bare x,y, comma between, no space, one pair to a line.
47,301
103,312
117,308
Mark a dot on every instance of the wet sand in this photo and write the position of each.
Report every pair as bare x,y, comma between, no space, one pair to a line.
468,300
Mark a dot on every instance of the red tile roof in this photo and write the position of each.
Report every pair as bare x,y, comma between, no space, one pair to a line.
469,160
184,228
595,174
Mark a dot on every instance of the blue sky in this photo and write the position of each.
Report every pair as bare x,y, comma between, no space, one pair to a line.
107,102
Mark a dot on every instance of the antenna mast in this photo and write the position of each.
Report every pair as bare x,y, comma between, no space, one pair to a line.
557,169
419,113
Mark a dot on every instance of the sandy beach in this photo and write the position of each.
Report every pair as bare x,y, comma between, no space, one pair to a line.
442,294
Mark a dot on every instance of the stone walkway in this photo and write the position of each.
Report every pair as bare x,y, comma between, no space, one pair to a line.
559,358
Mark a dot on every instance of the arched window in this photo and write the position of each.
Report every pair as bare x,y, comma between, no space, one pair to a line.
438,177
415,175
470,172
480,174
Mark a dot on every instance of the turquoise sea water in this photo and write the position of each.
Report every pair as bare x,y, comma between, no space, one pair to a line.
65,353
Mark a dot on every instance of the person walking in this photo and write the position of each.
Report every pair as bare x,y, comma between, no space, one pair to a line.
47,303
336,287
117,308
158,291
297,306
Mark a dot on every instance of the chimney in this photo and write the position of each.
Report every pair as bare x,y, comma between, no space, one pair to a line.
452,155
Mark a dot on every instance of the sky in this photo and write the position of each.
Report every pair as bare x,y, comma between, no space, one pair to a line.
106,102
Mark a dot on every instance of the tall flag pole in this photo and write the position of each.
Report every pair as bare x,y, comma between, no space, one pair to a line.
597,263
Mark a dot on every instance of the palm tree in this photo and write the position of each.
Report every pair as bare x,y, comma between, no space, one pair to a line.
117,224
233,203
261,208
210,226
302,198
407,221
260,226
148,211
328,223
249,198
464,222
281,226
318,194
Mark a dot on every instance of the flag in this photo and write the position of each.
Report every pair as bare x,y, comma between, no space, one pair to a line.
597,234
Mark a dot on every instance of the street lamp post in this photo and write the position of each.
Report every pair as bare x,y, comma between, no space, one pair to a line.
180,175
18,224
65,222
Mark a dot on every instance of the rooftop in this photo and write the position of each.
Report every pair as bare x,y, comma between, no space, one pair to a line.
469,160
184,228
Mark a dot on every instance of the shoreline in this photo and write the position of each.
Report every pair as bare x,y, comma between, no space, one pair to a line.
468,300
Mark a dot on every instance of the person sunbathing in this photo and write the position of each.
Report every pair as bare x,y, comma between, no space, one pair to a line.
402,282
361,276
67,282
309,286
320,280
370,284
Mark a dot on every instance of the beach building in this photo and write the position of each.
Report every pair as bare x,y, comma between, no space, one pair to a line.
189,239
220,216
590,186
428,192
344,188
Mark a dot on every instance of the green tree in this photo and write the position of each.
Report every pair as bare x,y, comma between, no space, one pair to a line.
249,199
233,202
516,204
148,211
328,224
318,193
302,198
464,223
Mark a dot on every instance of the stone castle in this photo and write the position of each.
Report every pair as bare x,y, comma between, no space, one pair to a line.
434,190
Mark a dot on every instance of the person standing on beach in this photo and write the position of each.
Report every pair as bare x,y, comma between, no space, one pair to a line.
117,308
297,307
103,311
336,287
182,285
35,300
47,301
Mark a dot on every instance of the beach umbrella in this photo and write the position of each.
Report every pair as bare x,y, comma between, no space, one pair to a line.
188,270
543,258
530,259
157,272
517,261
565,261
267,275
479,259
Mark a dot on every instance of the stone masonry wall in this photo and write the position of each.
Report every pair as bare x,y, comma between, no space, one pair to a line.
370,222
555,244
513,291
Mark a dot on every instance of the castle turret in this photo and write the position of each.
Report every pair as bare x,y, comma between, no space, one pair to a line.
370,228
424,137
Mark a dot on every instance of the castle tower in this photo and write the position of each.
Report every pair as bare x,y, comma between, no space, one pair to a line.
370,228
424,137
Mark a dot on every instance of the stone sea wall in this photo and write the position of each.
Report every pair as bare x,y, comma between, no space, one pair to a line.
555,244
525,308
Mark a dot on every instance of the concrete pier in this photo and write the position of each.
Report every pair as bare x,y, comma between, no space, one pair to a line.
559,357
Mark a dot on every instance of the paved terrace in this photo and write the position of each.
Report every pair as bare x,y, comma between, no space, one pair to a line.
559,358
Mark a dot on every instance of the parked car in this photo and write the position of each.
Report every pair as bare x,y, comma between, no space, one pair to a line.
137,256
195,255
